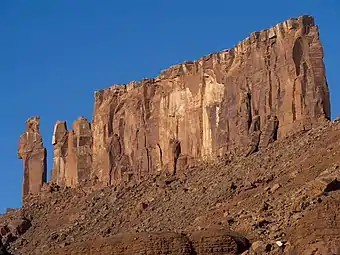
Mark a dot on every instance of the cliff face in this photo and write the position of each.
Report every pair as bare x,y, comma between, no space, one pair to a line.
268,86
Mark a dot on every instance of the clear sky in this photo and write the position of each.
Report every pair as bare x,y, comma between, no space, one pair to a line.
55,54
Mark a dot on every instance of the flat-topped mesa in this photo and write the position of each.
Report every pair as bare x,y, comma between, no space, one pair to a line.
268,86
72,160
275,77
301,26
33,154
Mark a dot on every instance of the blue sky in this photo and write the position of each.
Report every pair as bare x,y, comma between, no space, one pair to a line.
55,54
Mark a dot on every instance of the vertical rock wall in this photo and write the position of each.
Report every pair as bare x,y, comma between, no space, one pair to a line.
268,86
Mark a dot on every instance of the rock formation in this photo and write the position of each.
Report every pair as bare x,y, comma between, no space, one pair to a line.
268,86
72,153
275,77
33,154
284,199
209,242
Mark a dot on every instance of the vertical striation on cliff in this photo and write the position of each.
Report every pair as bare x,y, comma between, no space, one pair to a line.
72,160
270,85
33,155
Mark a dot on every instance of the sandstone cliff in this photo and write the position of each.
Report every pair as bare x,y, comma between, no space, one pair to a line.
268,86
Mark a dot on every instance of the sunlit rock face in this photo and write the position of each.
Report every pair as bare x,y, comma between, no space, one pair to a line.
33,155
268,86
72,155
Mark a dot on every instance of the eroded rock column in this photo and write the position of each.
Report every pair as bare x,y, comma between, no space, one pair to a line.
33,154
83,148
72,160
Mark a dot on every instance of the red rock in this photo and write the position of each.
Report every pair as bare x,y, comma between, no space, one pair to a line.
33,154
72,153
208,105
19,226
140,243
270,85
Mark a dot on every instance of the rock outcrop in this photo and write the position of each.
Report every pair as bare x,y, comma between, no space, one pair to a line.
33,154
240,100
72,159
141,243
212,242
269,86
282,199
218,241
11,231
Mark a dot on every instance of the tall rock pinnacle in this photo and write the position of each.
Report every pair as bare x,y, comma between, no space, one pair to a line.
33,154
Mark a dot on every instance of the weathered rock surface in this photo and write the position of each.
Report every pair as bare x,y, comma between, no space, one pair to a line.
217,241
235,102
276,75
208,242
12,229
268,86
72,160
276,196
141,243
33,154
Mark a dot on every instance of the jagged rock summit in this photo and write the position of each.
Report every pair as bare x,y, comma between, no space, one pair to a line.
270,85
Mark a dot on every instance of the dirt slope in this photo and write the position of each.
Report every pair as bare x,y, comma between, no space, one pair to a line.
281,194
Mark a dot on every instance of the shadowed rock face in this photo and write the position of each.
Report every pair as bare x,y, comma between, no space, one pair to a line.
274,78
33,154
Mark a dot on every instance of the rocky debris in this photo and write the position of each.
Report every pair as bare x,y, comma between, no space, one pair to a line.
260,247
3,250
33,154
233,196
19,226
275,187
11,231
